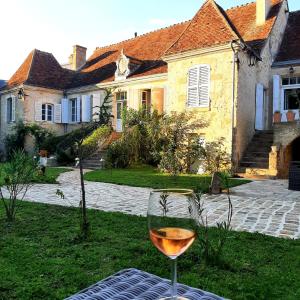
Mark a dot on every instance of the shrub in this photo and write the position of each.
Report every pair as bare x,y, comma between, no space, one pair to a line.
215,157
118,155
17,175
95,139
180,142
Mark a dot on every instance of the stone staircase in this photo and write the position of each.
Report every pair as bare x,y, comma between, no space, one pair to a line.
255,163
93,162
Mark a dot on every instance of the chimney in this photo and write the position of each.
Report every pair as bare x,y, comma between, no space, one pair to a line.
135,34
262,10
78,57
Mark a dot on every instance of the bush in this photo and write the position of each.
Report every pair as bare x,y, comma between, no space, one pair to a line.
95,139
16,140
215,157
118,155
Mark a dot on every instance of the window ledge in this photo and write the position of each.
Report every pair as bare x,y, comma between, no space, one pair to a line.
200,109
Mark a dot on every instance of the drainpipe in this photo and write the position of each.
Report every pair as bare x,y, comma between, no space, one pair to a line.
235,61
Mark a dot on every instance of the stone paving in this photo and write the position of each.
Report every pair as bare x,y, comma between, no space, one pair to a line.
266,206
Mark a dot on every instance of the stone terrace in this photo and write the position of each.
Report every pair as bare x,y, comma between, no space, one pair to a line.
266,206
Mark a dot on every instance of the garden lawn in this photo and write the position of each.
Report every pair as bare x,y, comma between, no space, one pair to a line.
40,259
51,176
153,178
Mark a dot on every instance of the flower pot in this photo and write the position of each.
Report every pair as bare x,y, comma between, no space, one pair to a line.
43,153
290,116
277,117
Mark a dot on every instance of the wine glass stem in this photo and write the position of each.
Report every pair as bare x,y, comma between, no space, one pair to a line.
174,279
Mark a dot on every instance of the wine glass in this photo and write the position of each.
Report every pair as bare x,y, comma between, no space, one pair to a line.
171,222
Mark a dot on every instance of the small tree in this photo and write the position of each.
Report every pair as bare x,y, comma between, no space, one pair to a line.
180,143
215,157
17,175
104,115
211,246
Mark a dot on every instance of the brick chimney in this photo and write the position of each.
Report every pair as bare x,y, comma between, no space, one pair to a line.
262,10
78,57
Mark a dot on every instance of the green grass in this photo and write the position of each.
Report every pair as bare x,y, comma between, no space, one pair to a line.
150,177
50,176
40,259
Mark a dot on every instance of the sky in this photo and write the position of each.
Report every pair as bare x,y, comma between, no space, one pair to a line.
56,25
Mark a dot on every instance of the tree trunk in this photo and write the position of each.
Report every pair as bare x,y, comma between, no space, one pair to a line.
85,224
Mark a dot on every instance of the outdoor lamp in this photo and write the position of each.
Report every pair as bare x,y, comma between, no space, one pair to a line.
21,94
102,160
291,70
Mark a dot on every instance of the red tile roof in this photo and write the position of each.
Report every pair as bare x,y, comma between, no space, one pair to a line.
41,69
290,47
148,48
210,26
243,19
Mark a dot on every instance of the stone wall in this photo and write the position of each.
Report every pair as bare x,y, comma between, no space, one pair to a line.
219,113
248,78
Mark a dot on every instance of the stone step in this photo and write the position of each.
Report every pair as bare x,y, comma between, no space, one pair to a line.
255,159
257,154
255,165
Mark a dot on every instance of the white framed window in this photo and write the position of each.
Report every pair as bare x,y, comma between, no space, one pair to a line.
198,86
146,100
10,109
292,99
73,110
291,93
47,112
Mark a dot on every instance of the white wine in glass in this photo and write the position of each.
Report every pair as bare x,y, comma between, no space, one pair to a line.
171,226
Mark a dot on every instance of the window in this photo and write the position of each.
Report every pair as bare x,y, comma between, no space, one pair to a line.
198,86
146,101
9,110
291,99
290,80
73,110
121,103
121,96
47,112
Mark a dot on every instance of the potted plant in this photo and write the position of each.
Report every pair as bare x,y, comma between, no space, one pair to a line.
290,116
277,117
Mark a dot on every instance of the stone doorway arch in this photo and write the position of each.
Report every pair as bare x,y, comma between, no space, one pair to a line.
295,145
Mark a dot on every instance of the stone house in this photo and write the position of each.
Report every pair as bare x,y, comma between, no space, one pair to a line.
228,67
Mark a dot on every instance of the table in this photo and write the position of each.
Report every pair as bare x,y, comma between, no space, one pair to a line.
133,284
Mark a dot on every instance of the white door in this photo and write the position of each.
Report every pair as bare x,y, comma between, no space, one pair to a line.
260,107
119,121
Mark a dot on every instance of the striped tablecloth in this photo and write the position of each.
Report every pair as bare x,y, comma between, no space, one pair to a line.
135,284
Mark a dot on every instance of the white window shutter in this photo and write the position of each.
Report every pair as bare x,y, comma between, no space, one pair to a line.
204,85
65,111
78,111
13,109
86,108
193,76
276,92
96,105
38,111
259,114
57,113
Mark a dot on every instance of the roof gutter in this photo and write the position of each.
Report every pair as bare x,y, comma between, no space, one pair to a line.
287,63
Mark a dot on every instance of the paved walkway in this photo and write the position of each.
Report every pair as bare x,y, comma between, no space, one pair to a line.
261,206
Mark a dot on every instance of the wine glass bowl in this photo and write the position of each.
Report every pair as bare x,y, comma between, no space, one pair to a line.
171,223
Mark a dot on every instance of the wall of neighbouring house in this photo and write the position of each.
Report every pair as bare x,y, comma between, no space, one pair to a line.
5,127
248,78
219,113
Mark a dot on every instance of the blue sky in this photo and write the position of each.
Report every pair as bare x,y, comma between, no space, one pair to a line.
56,25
